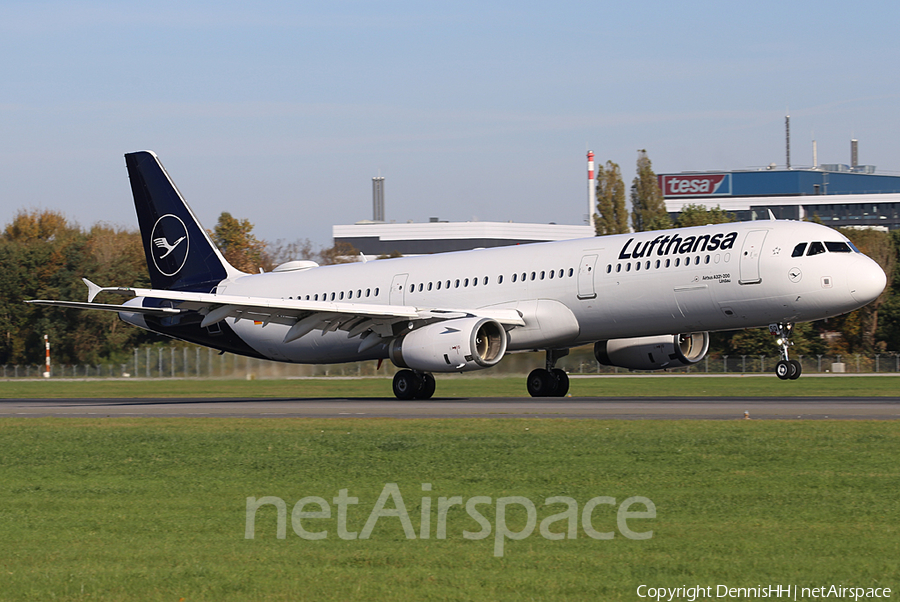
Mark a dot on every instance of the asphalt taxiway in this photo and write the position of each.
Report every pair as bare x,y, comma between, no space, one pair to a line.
620,408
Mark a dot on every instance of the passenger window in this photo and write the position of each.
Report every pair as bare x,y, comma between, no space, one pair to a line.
429,286
514,277
837,247
798,250
438,285
657,264
628,267
332,296
486,280
677,261
376,291
647,265
500,279
561,273
457,283
707,259
474,281
609,268
368,290
524,276
668,262
542,274
637,266
342,296
815,248
533,275
571,272
359,293
618,267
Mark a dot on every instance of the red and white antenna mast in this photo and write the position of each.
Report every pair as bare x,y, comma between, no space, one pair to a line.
47,363
592,189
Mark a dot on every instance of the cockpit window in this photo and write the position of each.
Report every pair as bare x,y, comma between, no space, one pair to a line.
798,250
815,248
853,246
837,247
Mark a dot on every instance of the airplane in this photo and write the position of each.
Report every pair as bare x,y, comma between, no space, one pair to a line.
645,300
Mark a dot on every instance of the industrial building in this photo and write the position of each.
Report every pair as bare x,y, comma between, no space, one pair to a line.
839,195
379,238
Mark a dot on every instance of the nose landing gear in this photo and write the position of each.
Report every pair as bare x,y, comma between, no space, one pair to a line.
786,368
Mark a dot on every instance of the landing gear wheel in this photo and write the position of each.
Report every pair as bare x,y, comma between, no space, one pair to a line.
541,383
784,369
427,389
562,382
407,384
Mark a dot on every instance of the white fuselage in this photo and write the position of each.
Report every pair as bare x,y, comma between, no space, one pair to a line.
718,277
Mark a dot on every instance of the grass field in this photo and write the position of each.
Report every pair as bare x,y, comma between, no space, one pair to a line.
458,386
155,509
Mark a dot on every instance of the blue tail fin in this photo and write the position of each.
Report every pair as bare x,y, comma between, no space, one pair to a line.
180,255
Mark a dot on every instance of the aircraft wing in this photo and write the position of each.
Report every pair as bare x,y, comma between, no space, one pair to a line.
302,316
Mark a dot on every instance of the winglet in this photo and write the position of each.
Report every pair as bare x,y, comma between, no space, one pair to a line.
93,289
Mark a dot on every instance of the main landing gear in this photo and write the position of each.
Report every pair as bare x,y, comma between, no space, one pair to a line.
786,368
549,381
409,384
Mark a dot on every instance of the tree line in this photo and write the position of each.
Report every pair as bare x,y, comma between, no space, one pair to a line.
45,256
871,329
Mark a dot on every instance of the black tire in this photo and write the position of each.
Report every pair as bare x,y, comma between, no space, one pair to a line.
562,382
541,383
783,369
406,384
797,369
428,386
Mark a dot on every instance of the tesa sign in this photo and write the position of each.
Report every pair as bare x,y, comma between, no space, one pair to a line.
696,185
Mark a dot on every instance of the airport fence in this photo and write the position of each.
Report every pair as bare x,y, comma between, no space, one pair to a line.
189,361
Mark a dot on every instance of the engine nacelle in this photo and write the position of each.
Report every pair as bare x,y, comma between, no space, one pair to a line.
653,353
451,346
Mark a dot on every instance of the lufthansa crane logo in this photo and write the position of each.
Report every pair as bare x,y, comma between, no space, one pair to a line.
169,244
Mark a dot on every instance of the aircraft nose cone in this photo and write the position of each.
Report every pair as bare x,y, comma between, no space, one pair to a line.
867,280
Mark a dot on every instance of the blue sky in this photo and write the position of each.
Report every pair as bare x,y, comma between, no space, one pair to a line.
282,112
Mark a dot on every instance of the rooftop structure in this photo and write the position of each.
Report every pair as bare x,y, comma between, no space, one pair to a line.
439,237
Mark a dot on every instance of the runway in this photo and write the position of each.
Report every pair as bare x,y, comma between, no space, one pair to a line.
616,408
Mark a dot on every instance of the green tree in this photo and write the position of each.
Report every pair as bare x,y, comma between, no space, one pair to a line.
45,257
698,215
859,327
612,214
648,210
759,341
238,245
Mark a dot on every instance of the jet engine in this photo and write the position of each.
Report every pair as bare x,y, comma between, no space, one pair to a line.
653,353
451,346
